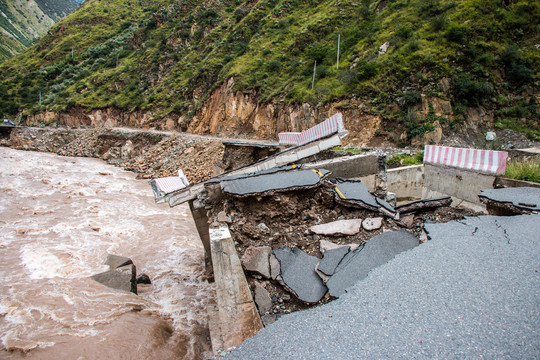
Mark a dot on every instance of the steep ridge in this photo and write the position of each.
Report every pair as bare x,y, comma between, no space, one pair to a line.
22,22
409,70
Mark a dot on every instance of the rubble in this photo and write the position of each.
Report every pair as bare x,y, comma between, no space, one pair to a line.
371,224
339,227
262,299
257,259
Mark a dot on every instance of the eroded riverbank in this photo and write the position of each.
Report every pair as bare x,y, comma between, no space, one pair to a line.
59,217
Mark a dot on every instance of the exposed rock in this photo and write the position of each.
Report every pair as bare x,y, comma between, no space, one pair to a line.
371,224
490,136
326,245
257,258
143,279
339,227
262,227
357,264
331,260
121,278
115,261
298,274
407,220
223,217
262,299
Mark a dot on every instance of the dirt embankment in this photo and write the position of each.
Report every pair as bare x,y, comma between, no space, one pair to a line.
149,153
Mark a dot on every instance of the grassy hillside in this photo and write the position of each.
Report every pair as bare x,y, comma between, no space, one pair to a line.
168,55
22,22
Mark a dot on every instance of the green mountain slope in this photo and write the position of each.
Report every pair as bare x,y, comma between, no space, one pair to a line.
168,56
23,21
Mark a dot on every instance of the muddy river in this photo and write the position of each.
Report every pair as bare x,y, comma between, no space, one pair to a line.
59,218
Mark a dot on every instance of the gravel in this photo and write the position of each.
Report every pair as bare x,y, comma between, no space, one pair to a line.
471,292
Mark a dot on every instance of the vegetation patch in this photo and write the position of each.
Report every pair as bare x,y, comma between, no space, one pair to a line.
528,170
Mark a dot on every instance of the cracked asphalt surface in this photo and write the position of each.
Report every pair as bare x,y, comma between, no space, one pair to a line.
470,292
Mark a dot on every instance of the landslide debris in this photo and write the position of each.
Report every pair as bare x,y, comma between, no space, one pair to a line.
150,154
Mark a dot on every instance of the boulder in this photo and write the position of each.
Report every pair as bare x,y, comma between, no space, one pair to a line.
298,274
121,278
339,227
371,224
257,258
143,279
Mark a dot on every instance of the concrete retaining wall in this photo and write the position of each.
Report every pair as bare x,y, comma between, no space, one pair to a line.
406,182
458,183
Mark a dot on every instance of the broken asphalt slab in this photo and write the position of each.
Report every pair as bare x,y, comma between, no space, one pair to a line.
298,274
376,252
354,193
524,198
470,292
331,260
425,204
277,182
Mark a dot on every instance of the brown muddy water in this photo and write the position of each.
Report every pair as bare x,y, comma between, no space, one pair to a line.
59,218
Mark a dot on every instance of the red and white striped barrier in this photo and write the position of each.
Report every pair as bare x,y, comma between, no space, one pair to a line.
489,161
167,185
332,125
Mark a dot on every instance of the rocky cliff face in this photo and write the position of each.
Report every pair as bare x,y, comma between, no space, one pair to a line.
235,114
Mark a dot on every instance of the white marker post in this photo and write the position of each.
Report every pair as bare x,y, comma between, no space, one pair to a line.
314,69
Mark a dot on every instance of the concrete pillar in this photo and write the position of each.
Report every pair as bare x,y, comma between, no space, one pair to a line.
234,316
201,222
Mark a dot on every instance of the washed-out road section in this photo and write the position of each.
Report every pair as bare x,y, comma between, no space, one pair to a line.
472,291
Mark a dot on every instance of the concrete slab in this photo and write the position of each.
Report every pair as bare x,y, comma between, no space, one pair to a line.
376,252
237,315
338,227
331,260
278,182
121,278
298,274
524,198
115,261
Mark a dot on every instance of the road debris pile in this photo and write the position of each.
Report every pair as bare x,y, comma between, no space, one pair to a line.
304,237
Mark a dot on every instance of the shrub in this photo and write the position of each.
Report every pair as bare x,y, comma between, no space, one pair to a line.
274,65
411,98
470,92
456,33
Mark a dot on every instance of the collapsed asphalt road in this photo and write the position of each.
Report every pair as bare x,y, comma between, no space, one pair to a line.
473,291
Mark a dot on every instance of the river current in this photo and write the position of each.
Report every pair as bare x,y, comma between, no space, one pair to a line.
59,218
